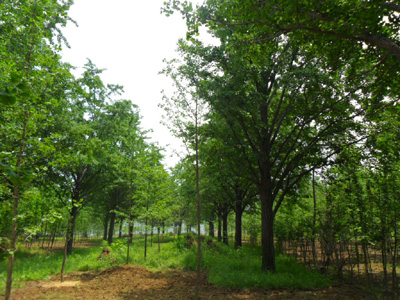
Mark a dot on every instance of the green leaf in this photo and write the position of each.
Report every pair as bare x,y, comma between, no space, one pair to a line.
6,98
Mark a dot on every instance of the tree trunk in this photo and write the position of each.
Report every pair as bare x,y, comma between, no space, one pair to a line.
151,234
130,234
314,232
180,227
238,227
267,232
65,251
106,226
53,239
130,238
111,228
159,243
120,228
13,243
44,235
225,229
71,228
13,240
219,230
211,229
145,239
395,246
198,277
394,257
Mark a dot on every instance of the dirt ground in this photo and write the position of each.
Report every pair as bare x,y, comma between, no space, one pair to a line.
134,282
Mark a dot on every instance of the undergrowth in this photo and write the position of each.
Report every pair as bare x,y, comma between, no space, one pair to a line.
36,264
242,268
226,266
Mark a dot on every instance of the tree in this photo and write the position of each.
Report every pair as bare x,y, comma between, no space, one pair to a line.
77,165
186,111
226,183
29,60
152,189
118,127
287,114
184,179
347,33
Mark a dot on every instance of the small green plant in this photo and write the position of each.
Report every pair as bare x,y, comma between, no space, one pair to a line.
179,242
118,246
189,241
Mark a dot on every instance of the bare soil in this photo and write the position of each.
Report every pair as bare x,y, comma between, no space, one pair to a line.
134,282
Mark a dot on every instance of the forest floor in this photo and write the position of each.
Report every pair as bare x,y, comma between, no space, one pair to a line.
135,282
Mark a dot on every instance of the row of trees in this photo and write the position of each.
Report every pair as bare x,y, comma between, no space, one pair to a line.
66,142
288,88
276,99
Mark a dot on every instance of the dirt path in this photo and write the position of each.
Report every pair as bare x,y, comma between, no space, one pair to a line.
133,282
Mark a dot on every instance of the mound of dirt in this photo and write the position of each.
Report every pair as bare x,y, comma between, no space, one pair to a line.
134,282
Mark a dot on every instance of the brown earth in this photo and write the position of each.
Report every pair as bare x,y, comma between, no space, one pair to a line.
134,282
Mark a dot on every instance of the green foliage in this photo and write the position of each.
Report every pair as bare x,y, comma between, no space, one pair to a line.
179,242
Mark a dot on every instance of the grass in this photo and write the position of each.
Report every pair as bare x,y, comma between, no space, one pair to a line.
226,266
36,264
241,268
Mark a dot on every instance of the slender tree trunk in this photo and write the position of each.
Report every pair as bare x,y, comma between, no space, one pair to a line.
159,243
65,255
120,228
44,235
151,234
357,252
145,239
198,276
394,267
180,227
13,244
238,227
267,232
111,228
384,256
130,226
211,229
366,260
130,238
394,257
71,228
52,233
130,234
54,237
16,196
225,229
105,233
219,229
314,232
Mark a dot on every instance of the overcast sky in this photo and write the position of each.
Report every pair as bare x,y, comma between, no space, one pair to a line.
129,38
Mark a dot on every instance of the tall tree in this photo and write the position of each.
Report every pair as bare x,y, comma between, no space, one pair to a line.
28,61
186,112
286,113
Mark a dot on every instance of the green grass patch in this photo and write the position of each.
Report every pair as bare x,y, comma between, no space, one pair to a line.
242,268
227,266
36,264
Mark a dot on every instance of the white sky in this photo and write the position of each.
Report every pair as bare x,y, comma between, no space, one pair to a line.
129,38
